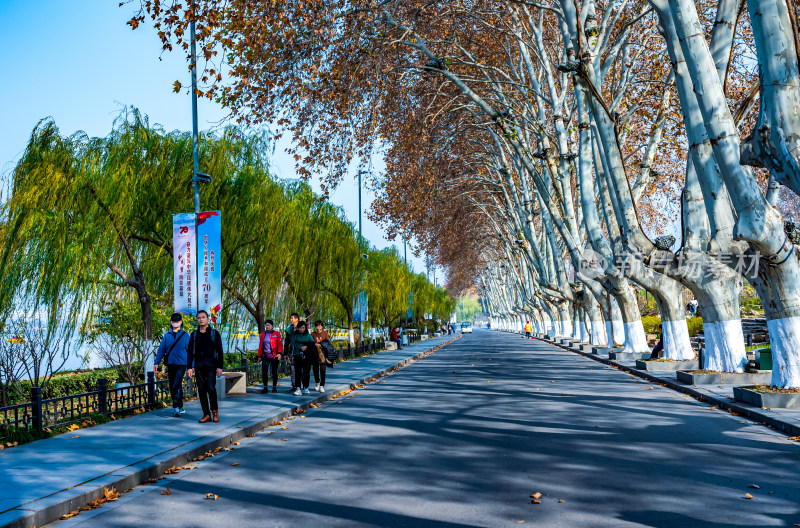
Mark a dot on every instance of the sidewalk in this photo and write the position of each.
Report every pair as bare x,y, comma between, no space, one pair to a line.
46,479
785,420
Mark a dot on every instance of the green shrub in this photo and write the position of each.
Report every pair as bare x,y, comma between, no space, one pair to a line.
64,385
695,325
234,359
651,324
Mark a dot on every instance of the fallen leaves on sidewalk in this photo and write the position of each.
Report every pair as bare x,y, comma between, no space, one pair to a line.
277,423
236,464
168,492
211,496
748,496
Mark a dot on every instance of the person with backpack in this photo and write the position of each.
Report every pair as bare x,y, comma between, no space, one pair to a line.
270,351
173,350
205,360
288,342
303,347
319,362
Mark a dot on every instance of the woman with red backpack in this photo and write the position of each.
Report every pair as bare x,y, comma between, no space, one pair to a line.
270,350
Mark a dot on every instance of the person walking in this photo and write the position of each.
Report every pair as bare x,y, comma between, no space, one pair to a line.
270,351
319,365
302,347
205,360
288,345
528,329
173,350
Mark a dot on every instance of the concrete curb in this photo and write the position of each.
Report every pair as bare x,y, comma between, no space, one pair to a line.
50,508
755,414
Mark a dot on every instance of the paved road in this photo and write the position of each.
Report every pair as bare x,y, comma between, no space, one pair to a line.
465,436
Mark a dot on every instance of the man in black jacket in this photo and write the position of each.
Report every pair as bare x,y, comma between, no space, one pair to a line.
205,357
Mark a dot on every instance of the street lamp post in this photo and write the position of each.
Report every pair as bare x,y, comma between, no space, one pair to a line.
361,286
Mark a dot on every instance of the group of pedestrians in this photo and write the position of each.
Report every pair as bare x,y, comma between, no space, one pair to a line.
197,354
200,354
307,352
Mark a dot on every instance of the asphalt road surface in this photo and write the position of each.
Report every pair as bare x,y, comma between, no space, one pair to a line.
465,436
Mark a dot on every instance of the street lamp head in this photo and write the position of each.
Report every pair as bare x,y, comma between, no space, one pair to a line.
202,178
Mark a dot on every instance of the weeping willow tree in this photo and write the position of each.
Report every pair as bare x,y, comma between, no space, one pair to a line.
89,220
343,266
388,286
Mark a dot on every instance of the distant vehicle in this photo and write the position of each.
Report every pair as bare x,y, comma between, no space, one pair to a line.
466,327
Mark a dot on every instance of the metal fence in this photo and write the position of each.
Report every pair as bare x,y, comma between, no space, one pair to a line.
40,413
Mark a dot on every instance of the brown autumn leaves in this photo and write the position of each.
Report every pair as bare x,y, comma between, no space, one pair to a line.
348,78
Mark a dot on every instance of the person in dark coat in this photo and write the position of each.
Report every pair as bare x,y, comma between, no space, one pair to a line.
288,339
173,349
303,346
205,360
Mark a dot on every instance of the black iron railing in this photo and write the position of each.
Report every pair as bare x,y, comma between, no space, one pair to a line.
40,413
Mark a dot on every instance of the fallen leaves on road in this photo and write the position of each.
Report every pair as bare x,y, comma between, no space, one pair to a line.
748,496
284,427
560,500
236,464
73,513
536,495
211,496
153,480
754,486
174,470
168,492
277,423
283,439
714,408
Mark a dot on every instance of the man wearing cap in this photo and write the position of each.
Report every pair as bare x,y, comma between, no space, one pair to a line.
173,350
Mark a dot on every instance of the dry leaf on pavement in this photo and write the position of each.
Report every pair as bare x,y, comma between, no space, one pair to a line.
168,492
748,496
211,496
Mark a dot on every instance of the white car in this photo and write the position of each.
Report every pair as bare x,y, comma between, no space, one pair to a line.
466,328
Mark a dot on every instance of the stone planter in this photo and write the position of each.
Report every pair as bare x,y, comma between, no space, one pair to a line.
667,366
762,377
768,400
627,356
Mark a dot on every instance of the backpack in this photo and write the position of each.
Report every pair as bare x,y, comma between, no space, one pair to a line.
330,353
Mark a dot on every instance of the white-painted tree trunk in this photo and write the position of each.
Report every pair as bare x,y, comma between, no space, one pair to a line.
675,336
635,338
784,338
724,346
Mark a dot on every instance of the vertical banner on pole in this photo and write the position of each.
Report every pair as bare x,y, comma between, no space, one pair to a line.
410,306
360,308
209,239
184,263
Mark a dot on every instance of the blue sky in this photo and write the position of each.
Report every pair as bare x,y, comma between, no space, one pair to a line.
79,63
